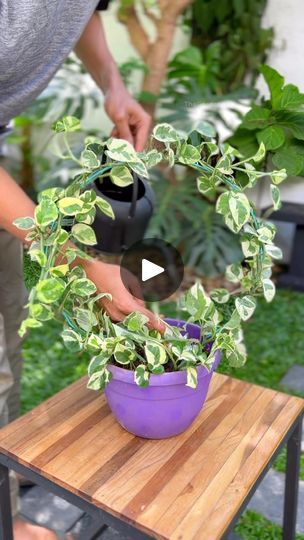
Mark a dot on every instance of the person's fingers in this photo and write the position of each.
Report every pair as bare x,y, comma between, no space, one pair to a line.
123,129
134,286
114,132
154,321
141,131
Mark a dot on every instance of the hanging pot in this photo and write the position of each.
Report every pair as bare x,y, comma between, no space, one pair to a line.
132,206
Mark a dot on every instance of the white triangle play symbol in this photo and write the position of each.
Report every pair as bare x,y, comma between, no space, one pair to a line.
150,270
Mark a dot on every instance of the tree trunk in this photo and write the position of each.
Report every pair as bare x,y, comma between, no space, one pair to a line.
154,54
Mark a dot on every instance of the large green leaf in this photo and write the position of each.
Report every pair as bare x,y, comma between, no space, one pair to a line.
289,159
275,82
291,97
272,136
294,121
256,118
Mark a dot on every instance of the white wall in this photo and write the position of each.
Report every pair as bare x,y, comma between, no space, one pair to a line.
286,17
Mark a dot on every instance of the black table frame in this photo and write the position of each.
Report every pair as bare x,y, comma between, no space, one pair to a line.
104,519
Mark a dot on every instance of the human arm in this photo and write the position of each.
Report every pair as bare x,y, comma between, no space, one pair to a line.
14,203
131,121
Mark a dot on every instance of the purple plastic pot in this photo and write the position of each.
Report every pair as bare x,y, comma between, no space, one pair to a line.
167,406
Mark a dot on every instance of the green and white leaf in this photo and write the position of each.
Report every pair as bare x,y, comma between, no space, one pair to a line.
191,377
123,355
83,287
105,207
261,153
276,197
278,176
67,124
45,212
24,223
136,321
155,353
95,342
240,208
141,376
165,133
220,296
60,270
72,340
50,290
245,307
274,251
121,150
121,176
234,273
69,206
268,289
89,160
84,233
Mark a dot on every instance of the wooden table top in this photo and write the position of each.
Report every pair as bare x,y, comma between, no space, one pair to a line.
186,487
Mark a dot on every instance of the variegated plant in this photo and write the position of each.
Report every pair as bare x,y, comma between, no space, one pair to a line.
63,290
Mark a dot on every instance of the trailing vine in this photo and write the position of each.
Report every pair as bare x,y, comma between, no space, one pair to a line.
63,290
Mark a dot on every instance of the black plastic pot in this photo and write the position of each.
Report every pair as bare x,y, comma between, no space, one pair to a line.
132,206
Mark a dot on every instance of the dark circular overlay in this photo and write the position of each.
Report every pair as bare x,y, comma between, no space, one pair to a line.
138,262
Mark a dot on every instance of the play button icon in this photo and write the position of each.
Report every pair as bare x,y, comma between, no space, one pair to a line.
152,269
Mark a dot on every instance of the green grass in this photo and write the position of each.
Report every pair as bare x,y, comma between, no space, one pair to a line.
253,526
48,365
275,340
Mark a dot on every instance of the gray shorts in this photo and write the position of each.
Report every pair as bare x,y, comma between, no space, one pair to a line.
12,300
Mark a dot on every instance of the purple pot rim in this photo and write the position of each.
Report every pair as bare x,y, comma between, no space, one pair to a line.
164,379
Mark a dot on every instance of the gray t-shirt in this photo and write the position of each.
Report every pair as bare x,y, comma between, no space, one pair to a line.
35,37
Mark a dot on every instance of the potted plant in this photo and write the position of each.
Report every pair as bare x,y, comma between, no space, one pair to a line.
155,384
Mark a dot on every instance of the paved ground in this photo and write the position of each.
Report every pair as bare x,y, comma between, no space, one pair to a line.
51,511
269,497
294,379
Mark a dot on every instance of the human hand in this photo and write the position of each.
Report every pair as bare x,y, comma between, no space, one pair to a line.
107,279
132,123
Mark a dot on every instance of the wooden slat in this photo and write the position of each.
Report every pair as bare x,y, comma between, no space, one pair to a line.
263,445
219,482
49,414
183,488
177,497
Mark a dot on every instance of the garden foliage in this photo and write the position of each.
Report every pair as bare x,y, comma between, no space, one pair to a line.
278,122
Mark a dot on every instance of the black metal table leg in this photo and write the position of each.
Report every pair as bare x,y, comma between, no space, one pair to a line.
292,482
6,525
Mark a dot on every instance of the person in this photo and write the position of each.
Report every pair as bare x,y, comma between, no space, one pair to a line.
35,38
